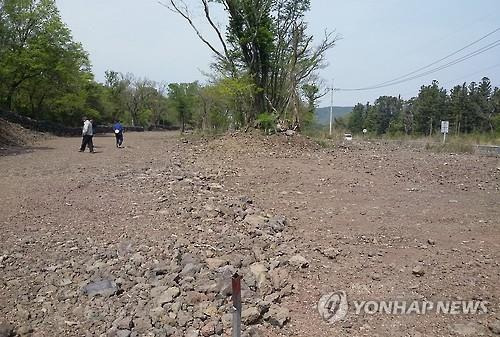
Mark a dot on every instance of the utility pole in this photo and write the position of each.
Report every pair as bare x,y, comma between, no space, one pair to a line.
331,109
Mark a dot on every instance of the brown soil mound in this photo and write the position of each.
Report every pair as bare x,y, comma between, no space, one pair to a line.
14,135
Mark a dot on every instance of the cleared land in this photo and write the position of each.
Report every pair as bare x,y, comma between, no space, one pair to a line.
167,220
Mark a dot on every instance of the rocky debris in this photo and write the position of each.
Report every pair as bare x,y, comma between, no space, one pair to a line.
174,282
160,232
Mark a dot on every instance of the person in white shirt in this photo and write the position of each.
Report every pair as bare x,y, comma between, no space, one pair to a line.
87,134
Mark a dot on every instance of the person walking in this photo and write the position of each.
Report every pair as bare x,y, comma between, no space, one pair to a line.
118,130
87,134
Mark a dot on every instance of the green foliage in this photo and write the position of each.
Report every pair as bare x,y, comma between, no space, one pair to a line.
266,122
267,42
184,100
469,109
43,72
355,119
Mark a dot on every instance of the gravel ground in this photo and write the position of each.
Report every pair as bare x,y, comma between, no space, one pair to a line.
143,241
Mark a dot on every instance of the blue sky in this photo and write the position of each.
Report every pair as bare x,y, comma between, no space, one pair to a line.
380,40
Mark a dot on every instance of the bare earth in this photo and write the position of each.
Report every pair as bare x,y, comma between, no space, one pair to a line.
379,222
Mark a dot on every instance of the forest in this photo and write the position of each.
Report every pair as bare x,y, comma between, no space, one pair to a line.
469,108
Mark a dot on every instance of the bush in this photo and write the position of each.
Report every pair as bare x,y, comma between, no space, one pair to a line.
266,122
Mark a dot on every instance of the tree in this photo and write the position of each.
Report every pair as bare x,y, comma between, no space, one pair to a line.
430,108
486,110
355,122
184,99
311,93
387,110
43,72
38,54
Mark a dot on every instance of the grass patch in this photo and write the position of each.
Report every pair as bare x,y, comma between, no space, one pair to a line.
450,147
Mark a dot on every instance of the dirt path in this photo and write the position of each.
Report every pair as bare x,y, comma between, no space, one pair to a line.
376,221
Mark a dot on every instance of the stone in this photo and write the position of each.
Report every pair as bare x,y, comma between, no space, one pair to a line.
255,220
277,316
161,269
210,311
192,332
214,263
142,324
168,296
431,242
277,223
330,253
183,318
468,329
259,271
123,333
25,330
298,261
252,332
279,278
227,320
190,269
125,323
194,297
250,315
418,271
104,288
208,329
495,327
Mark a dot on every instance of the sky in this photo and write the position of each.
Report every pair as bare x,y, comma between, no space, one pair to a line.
379,40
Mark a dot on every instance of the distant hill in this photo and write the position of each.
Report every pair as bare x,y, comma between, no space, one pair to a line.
323,114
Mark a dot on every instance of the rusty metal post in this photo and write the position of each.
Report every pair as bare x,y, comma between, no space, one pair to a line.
236,283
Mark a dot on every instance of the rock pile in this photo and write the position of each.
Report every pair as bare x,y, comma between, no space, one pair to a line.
166,271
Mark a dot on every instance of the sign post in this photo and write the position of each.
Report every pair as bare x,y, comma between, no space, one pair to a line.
444,129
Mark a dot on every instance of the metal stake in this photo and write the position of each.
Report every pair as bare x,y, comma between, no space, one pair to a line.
236,283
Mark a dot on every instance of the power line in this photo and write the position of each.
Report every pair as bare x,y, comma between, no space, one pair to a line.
444,58
471,74
458,78
447,65
404,78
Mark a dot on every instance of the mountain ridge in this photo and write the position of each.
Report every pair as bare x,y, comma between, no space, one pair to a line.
322,115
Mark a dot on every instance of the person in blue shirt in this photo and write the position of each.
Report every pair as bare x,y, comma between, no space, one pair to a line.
118,130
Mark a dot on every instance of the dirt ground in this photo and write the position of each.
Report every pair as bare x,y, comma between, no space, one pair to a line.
377,221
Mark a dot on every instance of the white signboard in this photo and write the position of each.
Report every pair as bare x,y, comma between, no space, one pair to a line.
444,126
